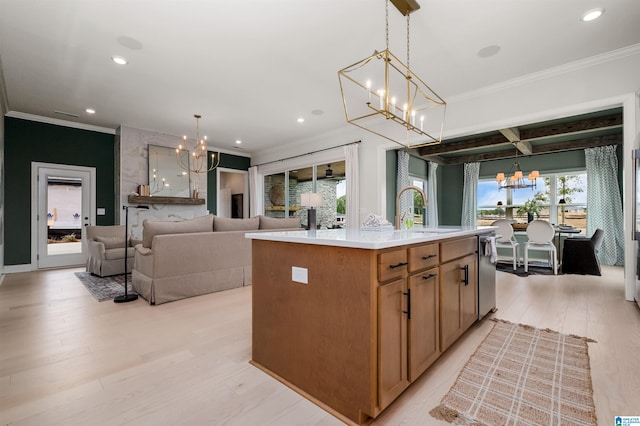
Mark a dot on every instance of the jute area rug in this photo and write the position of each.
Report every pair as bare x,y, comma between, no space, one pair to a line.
521,375
104,288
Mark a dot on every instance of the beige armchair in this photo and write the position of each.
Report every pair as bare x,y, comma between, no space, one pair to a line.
106,248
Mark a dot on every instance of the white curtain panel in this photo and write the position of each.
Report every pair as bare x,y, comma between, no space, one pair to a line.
604,203
255,189
353,188
406,201
470,194
432,195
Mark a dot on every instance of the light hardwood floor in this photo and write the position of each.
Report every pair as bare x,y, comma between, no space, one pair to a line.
67,359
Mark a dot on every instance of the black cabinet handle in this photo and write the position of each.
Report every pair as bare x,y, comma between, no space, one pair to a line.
426,277
431,256
408,311
398,265
465,280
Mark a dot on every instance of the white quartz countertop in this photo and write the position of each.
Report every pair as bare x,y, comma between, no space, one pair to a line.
366,239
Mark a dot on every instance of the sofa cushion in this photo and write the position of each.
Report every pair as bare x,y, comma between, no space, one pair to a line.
111,242
276,223
160,227
228,224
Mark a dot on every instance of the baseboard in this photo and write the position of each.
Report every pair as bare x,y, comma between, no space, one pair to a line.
12,269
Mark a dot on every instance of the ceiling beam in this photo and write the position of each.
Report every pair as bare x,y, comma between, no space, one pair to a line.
571,127
511,133
591,142
465,145
524,147
609,121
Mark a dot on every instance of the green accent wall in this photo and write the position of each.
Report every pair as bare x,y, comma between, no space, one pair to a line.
227,161
29,141
450,184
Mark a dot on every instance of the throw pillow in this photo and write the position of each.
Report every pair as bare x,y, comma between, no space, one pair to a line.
160,227
228,224
111,242
276,223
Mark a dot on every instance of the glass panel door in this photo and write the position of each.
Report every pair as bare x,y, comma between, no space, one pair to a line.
64,209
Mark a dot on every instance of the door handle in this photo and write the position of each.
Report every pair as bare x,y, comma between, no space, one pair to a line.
465,280
408,311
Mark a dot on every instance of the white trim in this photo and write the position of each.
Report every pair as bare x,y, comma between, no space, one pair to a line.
4,99
228,151
35,166
611,56
14,269
630,110
59,122
245,199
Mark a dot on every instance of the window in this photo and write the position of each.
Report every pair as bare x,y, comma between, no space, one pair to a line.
496,204
282,193
418,202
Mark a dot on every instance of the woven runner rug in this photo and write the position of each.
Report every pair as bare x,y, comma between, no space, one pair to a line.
521,375
104,288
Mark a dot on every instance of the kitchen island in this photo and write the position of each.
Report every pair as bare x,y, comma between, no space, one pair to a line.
350,318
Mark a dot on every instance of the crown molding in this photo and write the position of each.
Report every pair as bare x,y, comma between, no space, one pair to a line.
58,122
611,56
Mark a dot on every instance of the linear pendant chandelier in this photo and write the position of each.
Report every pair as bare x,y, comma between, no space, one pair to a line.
383,96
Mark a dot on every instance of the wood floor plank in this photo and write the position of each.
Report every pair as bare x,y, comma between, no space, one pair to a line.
66,359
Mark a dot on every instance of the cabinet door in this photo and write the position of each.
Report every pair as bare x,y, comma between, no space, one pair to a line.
423,322
469,293
451,275
392,342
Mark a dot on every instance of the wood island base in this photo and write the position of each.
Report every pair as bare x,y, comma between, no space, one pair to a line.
351,328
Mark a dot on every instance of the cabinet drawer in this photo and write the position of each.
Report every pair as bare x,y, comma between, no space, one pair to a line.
454,249
422,257
392,264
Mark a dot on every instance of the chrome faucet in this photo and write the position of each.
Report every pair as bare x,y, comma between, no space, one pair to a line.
424,205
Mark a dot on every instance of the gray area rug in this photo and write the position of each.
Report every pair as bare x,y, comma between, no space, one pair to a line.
104,288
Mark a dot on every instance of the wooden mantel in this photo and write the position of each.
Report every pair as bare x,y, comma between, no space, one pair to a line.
138,199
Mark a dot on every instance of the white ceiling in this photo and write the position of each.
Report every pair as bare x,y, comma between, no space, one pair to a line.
252,67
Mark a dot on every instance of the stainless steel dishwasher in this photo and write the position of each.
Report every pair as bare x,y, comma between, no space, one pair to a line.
486,277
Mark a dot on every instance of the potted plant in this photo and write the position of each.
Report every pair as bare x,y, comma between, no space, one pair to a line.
531,208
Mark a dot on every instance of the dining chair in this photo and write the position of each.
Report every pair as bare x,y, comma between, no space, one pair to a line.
580,255
540,234
507,240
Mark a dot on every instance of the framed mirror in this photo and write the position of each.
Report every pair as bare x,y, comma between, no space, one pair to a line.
166,177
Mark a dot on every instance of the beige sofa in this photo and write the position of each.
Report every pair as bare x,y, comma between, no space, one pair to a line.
202,255
106,250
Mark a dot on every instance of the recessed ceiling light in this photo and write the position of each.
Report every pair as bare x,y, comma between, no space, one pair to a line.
300,120
238,141
592,14
90,111
119,60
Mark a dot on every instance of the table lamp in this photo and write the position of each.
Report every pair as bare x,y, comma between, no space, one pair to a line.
311,200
